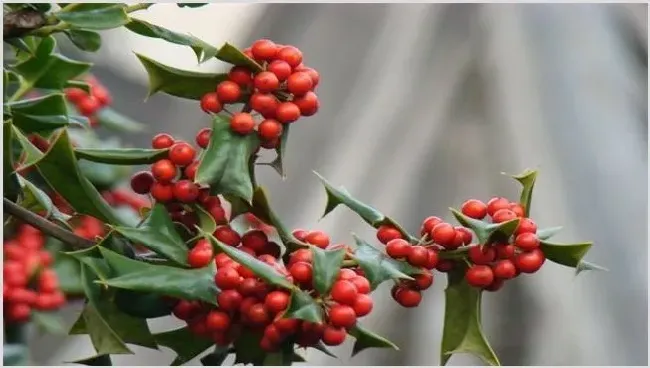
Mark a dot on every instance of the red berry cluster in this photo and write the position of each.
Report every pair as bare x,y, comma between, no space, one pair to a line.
280,93
28,281
247,302
88,104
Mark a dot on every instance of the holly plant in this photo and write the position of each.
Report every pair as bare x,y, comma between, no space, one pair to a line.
194,236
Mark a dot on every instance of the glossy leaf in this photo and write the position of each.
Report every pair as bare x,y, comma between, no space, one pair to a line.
111,119
570,255
11,187
194,284
366,339
30,154
47,69
462,331
278,163
178,82
35,200
327,264
262,270
49,322
527,181
485,232
372,216
124,156
78,84
186,344
217,357
59,168
92,258
206,221
159,235
233,55
202,49
93,15
68,271
41,114
85,40
141,305
100,360
224,165
304,307
544,234
378,267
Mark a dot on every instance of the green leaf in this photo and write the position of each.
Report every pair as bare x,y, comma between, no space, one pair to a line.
59,168
233,55
544,234
49,322
41,114
304,307
278,163
217,357
92,258
85,40
372,216
111,119
588,266
194,284
570,255
141,305
206,221
184,342
327,264
47,69
69,272
462,332
485,232
34,199
378,267
159,235
366,339
527,181
15,355
262,270
78,84
191,5
11,188
202,49
94,15
178,82
97,360
31,154
123,156
224,165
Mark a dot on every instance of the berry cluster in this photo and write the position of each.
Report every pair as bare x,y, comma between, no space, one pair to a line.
247,302
28,281
281,93
88,104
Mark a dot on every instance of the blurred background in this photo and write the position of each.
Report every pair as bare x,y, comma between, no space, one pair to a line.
422,107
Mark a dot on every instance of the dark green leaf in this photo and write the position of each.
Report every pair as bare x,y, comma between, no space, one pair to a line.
261,269
124,156
78,84
92,258
202,49
97,360
177,82
322,348
41,7
49,322
94,15
41,114
366,339
378,267
247,348
11,187
159,235
69,272
224,165
195,284
304,307
570,255
21,46
233,55
112,119
104,176
31,154
278,163
184,342
35,200
367,213
217,357
59,168
462,332
141,305
206,221
15,355
527,181
485,232
544,234
327,264
47,69
190,5
85,40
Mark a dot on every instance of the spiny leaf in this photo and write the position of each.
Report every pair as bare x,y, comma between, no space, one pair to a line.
100,360
570,255
485,232
206,221
31,154
40,114
34,199
85,40
184,342
527,181
278,163
378,267
11,186
327,264
94,15
545,234
233,55
48,322
217,357
122,156
111,119
366,339
304,307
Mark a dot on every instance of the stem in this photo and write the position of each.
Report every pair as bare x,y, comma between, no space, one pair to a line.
46,226
247,107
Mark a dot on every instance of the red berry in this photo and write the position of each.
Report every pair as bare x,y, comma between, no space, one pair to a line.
217,321
287,325
315,76
318,238
333,336
280,68
346,274
276,301
269,129
504,269
291,55
407,298
362,305
18,312
182,154
432,259
529,262
264,50
272,333
203,137
190,171
185,191
228,92
398,248
267,345
229,300
227,278
342,316
505,251
386,233
164,170
240,75
264,103
527,241
360,283
162,192
301,272
255,240
308,103
504,215
88,106
299,83
443,234
495,285
479,276
481,255
227,235
266,82
300,255
242,123
287,112
418,256
75,95
101,94
185,310
423,280
518,209
428,224
141,182
497,203
201,255
466,234
526,225
210,103
474,208
162,141
344,292
258,314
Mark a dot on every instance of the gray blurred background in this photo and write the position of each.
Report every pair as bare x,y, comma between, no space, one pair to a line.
423,105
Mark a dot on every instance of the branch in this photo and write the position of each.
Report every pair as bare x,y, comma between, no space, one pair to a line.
18,23
46,226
